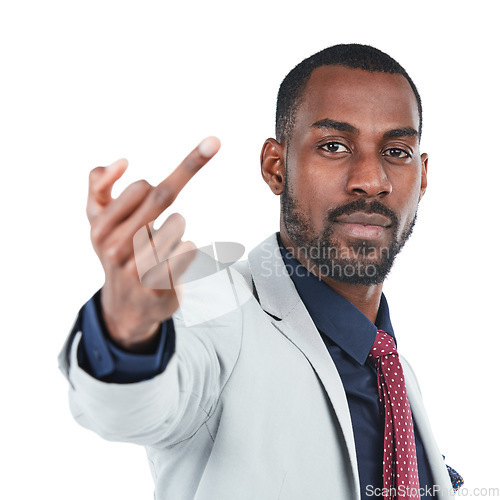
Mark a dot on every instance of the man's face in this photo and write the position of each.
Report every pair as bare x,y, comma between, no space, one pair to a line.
354,174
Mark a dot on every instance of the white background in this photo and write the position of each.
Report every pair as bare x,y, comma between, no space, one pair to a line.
85,83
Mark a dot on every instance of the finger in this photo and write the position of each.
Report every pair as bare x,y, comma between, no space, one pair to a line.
145,256
101,181
169,235
152,247
115,213
182,257
161,197
166,274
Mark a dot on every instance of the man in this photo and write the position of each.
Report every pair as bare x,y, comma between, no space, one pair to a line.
297,391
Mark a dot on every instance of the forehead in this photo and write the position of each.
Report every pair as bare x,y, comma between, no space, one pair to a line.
369,101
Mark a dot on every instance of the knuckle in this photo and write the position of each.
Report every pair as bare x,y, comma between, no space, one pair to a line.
90,212
177,222
194,162
162,196
190,245
131,268
95,173
141,185
178,218
189,248
96,233
112,254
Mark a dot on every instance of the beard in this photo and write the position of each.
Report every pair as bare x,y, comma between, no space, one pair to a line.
358,263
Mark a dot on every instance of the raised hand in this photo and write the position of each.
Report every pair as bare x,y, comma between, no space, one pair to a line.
133,312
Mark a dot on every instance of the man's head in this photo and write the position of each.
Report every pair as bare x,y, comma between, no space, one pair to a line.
354,56
347,162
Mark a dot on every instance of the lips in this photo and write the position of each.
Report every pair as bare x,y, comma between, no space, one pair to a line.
364,225
365,219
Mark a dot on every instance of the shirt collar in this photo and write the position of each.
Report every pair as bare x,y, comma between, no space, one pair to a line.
333,315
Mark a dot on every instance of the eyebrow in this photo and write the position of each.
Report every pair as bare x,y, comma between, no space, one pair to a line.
327,123
340,126
401,132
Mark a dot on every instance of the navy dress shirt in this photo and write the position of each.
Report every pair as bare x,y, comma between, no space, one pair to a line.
348,335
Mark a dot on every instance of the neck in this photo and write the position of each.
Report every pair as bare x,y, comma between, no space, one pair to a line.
365,297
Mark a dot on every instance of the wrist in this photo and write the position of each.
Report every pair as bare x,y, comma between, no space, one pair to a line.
140,339
146,345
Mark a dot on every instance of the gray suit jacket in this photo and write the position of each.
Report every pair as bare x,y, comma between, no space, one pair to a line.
250,406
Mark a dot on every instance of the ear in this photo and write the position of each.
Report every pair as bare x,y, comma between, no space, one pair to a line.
423,182
272,165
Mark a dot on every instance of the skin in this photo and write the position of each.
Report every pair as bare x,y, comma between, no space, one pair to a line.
329,164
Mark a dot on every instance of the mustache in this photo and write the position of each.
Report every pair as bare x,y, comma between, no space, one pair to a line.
361,205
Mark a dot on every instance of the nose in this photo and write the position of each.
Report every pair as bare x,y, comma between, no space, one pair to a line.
367,177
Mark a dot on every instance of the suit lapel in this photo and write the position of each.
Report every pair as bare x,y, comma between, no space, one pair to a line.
278,297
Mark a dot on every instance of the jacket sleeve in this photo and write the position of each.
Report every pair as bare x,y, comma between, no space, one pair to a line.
100,357
171,406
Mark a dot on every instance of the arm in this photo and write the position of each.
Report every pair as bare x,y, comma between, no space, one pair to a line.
174,403
171,406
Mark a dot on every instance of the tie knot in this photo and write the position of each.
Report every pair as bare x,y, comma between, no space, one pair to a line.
384,344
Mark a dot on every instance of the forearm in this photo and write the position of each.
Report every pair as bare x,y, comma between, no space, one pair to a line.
168,407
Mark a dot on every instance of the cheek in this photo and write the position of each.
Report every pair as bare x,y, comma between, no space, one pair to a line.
307,186
317,196
408,201
317,184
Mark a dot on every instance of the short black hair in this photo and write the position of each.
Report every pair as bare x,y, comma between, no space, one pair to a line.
353,55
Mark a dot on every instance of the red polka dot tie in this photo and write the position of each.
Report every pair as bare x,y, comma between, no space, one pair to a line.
400,473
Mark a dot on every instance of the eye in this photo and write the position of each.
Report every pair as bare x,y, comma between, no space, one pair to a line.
396,153
334,147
